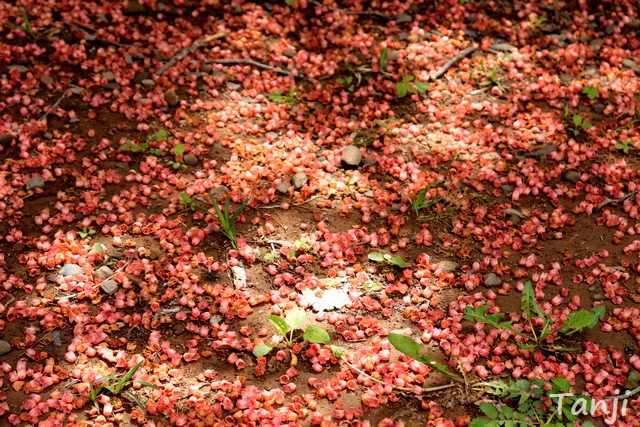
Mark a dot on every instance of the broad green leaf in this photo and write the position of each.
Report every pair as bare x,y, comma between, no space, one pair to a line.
290,2
278,323
479,422
489,410
353,179
316,335
422,86
409,347
262,349
507,411
577,119
98,248
408,78
383,58
269,256
401,90
178,150
529,304
398,261
479,315
578,320
562,384
586,125
295,317
376,256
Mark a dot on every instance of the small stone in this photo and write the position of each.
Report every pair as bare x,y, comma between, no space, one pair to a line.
217,192
35,182
206,68
134,7
272,135
592,288
52,277
269,6
515,220
171,98
403,36
584,38
598,108
103,272
5,347
46,79
74,120
148,83
128,59
179,330
559,37
109,287
137,56
139,77
572,176
393,55
507,188
351,156
368,193
513,212
403,18
55,335
566,78
596,44
492,156
503,47
630,63
190,160
492,279
299,180
610,29
76,90
20,68
70,270
370,161
543,151
145,101
598,297
283,187
590,71
102,17
233,86
448,266
289,53
109,76
48,135
471,33
6,139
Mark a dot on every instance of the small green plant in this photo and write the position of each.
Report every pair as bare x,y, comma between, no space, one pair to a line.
580,124
177,165
592,92
532,404
491,76
26,27
347,82
290,2
532,312
624,146
421,202
146,146
99,248
397,261
86,232
227,220
294,319
279,98
409,85
407,346
540,20
187,202
115,386
371,287
300,245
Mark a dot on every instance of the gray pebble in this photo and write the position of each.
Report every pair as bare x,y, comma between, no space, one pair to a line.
299,180
76,90
592,288
393,55
48,135
233,86
190,160
70,270
289,53
172,98
148,83
630,63
103,272
206,68
506,187
128,59
55,334
139,77
572,176
20,68
35,182
145,101
598,297
503,47
368,193
351,156
109,76
492,279
109,287
6,138
403,36
610,29
448,266
543,151
5,347
46,79
370,161
403,18
598,108
283,187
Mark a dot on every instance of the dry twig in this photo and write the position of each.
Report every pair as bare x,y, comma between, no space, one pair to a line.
450,63
621,199
246,61
186,51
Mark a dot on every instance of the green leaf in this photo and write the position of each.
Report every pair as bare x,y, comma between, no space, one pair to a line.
586,125
562,384
422,86
577,119
383,59
408,79
399,262
507,411
337,351
262,349
269,256
125,380
353,179
99,249
144,383
278,323
295,317
401,90
376,256
409,347
178,150
479,422
489,410
579,320
316,335
136,400
479,315
529,304
290,2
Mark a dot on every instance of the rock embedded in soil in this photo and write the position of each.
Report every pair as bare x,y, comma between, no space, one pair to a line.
109,76
70,270
506,187
543,151
299,180
35,182
283,187
6,138
103,272
47,79
598,297
216,193
630,63
171,97
190,160
109,287
503,47
448,266
233,86
289,53
351,156
572,176
492,279
369,161
403,18
139,77
19,68
5,347
148,83
598,108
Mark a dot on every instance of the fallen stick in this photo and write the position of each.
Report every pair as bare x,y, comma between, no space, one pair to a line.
621,199
186,51
231,61
100,39
450,63
53,107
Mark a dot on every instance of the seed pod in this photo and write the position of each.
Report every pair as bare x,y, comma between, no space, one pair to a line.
294,359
